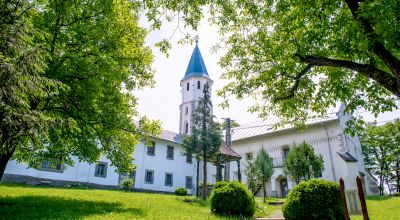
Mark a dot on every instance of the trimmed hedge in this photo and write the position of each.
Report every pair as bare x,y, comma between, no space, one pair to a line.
232,199
180,191
314,199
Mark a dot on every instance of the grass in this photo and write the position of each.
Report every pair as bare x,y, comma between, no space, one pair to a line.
382,207
266,210
28,202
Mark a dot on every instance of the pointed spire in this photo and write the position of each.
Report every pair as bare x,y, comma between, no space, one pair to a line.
196,66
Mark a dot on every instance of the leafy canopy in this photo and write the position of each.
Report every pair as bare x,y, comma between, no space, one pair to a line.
82,63
381,151
302,163
299,58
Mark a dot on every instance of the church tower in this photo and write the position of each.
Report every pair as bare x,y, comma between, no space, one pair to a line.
192,85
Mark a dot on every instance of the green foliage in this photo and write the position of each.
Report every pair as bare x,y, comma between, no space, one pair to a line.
302,163
252,180
314,199
205,139
264,169
180,191
69,75
380,148
232,199
127,184
396,194
302,57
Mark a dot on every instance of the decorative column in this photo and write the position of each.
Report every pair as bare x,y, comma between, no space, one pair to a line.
239,172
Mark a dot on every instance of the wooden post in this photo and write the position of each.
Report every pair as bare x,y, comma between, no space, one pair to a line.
239,172
362,198
343,194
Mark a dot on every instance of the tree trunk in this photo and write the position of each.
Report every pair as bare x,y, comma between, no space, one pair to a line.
4,158
197,177
264,191
205,175
397,167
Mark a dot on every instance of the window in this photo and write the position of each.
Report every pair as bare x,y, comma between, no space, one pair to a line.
149,177
189,182
170,152
151,149
186,128
249,156
198,84
168,179
101,169
186,110
52,165
188,158
187,87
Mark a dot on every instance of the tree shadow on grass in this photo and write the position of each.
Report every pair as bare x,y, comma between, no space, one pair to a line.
47,207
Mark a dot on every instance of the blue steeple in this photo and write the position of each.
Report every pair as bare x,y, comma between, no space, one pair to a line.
196,65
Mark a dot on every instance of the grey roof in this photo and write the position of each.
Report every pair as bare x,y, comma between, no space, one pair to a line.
259,128
347,157
171,136
196,66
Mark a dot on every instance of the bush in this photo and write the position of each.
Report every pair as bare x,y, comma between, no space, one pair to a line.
127,184
180,191
232,199
314,199
396,194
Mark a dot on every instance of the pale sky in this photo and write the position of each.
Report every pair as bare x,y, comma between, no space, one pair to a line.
162,102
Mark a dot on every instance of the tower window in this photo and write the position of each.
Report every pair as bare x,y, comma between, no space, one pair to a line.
187,86
186,128
186,110
198,84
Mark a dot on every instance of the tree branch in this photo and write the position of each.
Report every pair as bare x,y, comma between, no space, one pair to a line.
385,79
377,47
295,87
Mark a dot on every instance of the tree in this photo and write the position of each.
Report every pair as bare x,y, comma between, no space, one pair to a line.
252,180
264,169
381,151
205,139
68,71
302,57
302,163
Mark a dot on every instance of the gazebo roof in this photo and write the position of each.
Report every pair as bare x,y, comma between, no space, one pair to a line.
229,152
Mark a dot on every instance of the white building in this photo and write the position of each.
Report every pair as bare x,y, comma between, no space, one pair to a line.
164,166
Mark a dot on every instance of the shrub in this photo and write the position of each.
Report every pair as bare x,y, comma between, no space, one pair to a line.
396,194
314,199
232,199
180,191
127,184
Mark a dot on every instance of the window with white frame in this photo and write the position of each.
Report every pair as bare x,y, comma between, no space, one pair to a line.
189,158
151,149
189,182
170,152
149,177
101,169
168,179
52,165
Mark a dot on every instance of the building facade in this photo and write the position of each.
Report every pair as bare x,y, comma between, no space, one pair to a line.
164,166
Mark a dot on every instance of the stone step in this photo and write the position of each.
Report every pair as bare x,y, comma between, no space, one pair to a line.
270,218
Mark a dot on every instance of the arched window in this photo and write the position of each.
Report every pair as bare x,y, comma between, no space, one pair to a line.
198,84
187,87
186,110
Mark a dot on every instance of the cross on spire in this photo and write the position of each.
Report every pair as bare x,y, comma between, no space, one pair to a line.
196,38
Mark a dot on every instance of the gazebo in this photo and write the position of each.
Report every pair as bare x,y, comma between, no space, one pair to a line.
225,155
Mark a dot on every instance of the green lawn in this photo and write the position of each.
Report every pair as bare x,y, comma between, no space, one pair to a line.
26,202
382,207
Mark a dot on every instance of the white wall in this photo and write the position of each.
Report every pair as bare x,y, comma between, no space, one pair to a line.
161,165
